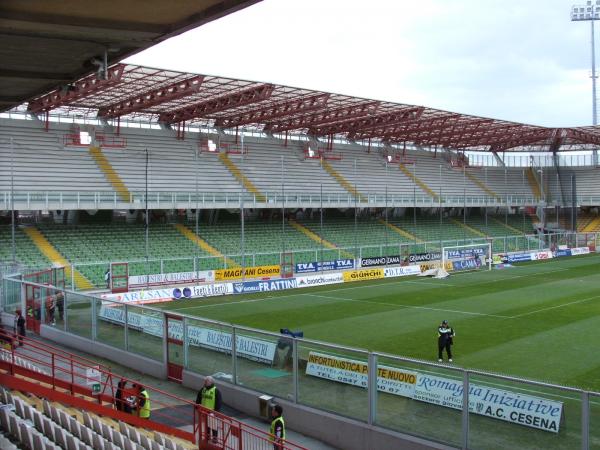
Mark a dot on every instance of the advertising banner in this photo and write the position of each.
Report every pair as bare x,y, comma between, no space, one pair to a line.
165,295
458,253
562,252
580,251
435,265
248,287
392,272
466,264
250,272
203,276
381,261
361,275
319,280
498,404
514,407
251,348
424,257
207,290
539,256
141,297
389,379
318,266
518,257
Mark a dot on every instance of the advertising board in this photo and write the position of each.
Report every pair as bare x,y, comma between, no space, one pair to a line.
250,272
362,275
318,266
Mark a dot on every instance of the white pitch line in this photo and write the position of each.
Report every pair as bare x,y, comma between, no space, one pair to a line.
432,283
555,307
507,278
230,303
369,286
408,306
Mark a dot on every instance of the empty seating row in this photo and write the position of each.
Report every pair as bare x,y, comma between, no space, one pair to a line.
55,429
34,160
42,162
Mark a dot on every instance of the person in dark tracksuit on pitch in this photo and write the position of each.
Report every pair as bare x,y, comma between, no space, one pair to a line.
445,335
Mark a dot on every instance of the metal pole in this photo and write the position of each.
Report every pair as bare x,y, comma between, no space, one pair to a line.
355,213
321,225
372,387
243,243
147,221
464,202
487,229
197,248
465,411
594,110
415,194
440,207
126,336
282,207
184,326
386,212
295,368
12,201
523,215
585,419
243,237
234,355
506,190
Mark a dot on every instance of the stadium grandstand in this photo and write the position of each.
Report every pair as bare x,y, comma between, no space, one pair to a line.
129,192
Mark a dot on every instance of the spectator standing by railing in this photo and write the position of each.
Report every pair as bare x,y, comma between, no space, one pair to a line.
210,397
121,402
19,326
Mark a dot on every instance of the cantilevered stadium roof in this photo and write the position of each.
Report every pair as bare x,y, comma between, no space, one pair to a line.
45,44
170,97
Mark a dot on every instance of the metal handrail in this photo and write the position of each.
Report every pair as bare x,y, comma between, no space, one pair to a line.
200,415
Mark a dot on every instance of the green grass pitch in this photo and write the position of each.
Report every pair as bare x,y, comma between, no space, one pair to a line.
536,320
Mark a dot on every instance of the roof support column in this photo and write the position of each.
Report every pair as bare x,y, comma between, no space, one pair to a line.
499,160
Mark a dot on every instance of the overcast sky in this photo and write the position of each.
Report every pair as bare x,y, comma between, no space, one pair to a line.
521,60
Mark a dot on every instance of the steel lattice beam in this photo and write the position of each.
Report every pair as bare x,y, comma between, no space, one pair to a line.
164,94
353,126
495,132
75,91
521,139
456,131
223,103
583,136
275,111
487,137
323,117
413,128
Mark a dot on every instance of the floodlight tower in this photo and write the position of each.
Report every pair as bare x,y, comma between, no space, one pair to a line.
589,12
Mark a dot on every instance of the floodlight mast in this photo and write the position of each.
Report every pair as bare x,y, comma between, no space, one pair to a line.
589,12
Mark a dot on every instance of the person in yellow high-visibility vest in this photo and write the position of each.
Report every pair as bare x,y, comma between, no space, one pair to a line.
277,428
143,403
210,398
